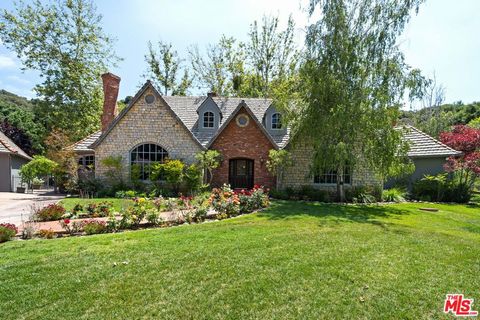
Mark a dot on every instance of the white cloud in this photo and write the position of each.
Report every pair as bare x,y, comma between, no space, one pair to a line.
6,62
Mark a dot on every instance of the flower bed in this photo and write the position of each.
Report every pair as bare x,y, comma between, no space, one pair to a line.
94,218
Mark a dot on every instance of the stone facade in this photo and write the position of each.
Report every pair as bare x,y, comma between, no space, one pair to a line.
299,174
146,123
247,142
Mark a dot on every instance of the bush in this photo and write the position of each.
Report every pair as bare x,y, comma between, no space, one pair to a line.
7,231
364,194
153,217
71,227
46,234
50,213
103,209
77,209
307,193
125,194
441,188
94,226
225,201
254,199
192,178
394,195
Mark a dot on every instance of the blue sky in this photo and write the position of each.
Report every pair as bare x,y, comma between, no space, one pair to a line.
443,38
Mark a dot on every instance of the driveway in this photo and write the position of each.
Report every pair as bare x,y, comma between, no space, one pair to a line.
15,207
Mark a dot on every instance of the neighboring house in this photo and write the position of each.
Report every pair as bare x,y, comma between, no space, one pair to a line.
154,127
12,158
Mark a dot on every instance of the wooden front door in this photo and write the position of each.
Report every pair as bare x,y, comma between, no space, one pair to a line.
241,173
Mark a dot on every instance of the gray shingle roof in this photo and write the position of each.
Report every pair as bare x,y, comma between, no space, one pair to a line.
8,146
84,144
423,145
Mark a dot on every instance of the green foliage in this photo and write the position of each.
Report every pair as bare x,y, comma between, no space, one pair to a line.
39,166
442,188
94,227
7,231
475,123
306,193
64,42
225,201
19,113
171,171
364,194
114,173
49,213
192,177
354,80
208,160
394,195
163,66
278,161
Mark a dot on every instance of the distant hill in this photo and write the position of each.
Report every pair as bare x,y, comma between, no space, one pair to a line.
19,123
14,100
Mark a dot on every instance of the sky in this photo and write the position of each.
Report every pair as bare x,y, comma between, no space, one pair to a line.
443,39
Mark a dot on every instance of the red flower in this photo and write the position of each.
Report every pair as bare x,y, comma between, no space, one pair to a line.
66,221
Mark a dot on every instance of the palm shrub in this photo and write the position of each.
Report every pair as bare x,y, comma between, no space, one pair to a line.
394,195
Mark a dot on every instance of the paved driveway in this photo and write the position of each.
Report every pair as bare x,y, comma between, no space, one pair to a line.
15,207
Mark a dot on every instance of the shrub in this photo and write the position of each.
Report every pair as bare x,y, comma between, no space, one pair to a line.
7,231
224,200
125,194
364,194
71,227
441,187
192,178
50,213
92,208
103,209
252,200
94,226
153,217
394,195
46,234
77,209
200,214
307,193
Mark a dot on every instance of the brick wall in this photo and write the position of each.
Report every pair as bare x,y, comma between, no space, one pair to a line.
243,142
146,123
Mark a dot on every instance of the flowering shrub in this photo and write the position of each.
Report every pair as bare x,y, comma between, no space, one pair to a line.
50,213
94,226
186,202
71,227
47,234
251,200
92,208
103,209
224,200
7,231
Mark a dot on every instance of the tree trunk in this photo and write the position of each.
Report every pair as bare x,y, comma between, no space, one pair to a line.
340,186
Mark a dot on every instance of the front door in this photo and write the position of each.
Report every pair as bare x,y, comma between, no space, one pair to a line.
241,174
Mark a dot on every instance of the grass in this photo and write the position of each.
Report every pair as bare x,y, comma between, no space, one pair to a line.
118,204
294,260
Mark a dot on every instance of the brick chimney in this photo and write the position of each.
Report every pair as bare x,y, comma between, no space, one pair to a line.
111,85
211,94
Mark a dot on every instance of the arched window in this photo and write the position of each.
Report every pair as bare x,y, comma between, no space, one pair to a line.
276,121
208,119
144,156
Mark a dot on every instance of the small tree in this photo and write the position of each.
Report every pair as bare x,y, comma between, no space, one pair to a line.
114,171
278,161
39,167
66,173
192,177
208,160
467,166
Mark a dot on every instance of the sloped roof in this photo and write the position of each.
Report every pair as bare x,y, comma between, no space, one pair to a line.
8,146
84,144
423,145
186,109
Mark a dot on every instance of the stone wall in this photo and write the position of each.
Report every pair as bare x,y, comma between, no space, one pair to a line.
299,174
146,123
243,142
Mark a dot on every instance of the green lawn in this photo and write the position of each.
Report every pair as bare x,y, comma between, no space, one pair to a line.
118,204
294,260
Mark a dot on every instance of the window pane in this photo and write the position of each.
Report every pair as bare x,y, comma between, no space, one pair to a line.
145,155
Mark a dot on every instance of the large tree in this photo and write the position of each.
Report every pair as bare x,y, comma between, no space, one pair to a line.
272,56
64,41
221,68
355,78
164,66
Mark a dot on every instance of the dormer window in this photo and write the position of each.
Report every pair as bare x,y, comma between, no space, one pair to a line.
208,120
276,121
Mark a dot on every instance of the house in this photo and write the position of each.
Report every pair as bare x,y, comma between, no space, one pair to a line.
154,127
12,158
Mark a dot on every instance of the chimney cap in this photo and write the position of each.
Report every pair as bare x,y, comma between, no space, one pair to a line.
110,75
212,94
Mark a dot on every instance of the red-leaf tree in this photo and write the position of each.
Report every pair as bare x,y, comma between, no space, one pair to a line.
467,140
